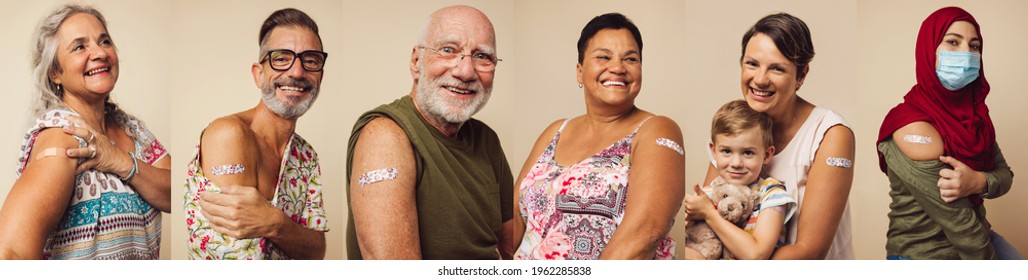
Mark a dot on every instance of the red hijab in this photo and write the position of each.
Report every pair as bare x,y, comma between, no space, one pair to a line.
960,116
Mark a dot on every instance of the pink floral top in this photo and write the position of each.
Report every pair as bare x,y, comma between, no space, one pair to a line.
298,195
571,212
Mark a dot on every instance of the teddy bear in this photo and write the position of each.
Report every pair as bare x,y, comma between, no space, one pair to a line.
735,204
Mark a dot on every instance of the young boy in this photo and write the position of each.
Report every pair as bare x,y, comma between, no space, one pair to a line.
741,145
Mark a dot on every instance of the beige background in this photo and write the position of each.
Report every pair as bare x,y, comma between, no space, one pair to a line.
214,80
714,31
691,67
888,31
140,31
369,45
546,87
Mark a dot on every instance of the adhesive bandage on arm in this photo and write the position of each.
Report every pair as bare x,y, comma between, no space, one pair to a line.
228,169
51,152
919,139
377,175
670,144
840,162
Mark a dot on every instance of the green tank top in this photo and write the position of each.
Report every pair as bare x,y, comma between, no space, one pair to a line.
464,185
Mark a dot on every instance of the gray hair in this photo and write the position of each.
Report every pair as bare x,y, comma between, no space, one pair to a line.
44,62
282,18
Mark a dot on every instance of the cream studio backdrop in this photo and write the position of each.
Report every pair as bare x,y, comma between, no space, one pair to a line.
369,45
140,31
888,32
863,67
215,80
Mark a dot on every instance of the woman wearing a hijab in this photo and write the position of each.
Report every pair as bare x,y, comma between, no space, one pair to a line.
939,150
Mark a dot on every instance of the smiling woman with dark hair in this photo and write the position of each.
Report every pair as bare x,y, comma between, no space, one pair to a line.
94,189
573,191
814,145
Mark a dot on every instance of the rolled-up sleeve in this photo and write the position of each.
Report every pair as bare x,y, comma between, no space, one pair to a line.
958,220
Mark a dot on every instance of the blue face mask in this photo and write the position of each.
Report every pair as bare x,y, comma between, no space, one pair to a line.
957,69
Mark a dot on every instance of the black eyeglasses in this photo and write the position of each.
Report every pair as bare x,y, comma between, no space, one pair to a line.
282,60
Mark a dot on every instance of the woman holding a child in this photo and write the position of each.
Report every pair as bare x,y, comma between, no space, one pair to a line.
814,147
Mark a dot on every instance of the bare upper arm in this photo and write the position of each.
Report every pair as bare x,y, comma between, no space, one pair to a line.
657,179
227,142
919,141
826,195
658,171
38,199
382,144
384,210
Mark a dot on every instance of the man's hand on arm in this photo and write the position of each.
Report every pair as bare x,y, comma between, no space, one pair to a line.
241,212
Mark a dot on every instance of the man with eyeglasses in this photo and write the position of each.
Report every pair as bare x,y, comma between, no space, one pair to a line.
253,190
426,181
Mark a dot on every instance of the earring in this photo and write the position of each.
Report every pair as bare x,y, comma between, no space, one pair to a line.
580,85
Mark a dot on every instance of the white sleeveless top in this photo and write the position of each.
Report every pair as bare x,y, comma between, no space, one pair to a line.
791,166
793,163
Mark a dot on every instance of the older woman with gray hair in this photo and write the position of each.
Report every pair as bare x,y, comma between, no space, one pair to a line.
91,178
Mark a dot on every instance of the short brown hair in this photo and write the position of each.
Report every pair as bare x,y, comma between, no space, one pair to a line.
791,37
736,116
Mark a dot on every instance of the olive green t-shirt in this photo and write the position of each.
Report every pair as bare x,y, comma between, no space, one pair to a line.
464,185
922,225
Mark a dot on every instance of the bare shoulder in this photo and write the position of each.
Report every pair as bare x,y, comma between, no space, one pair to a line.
383,145
228,141
53,137
550,130
227,131
661,127
839,137
545,137
919,141
383,131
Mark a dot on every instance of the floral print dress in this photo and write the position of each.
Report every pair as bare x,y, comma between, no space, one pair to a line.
298,195
105,218
571,212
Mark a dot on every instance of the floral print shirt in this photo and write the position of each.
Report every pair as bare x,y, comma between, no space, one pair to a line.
105,218
298,195
571,212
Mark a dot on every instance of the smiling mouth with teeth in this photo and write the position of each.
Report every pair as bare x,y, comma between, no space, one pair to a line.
613,83
459,91
761,93
98,70
289,88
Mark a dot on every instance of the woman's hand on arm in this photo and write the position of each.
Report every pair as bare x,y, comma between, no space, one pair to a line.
959,181
39,198
825,198
151,182
385,212
915,165
657,187
518,226
962,181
